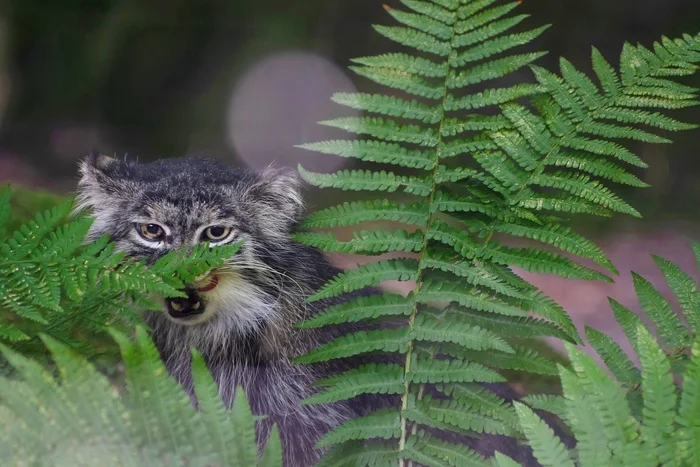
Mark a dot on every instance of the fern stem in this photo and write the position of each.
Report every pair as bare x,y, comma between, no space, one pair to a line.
423,252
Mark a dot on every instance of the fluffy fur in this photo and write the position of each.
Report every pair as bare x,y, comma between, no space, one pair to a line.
246,332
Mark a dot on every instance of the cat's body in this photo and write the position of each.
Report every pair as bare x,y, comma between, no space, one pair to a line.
240,316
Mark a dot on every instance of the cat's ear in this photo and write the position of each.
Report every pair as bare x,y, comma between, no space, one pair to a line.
280,190
99,181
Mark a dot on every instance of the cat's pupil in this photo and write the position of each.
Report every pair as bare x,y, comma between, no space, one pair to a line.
153,229
216,231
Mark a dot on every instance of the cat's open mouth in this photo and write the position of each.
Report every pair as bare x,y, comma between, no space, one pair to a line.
193,304
185,307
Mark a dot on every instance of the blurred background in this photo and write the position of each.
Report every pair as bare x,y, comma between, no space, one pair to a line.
245,80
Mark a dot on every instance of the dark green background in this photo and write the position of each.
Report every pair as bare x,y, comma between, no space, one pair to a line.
150,74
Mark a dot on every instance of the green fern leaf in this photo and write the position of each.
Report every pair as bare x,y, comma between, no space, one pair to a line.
493,29
365,242
429,450
360,453
370,274
520,359
513,326
453,413
473,15
583,186
375,151
272,452
490,97
415,39
627,320
673,334
547,402
495,46
451,371
491,70
606,399
659,393
406,64
5,209
592,441
406,81
385,340
609,80
501,460
543,262
689,409
480,399
469,298
561,237
362,211
423,22
685,289
643,117
448,329
614,357
359,180
547,448
371,378
383,423
563,203
384,129
595,166
360,309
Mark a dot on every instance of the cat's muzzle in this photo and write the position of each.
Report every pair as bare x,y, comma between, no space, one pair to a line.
185,307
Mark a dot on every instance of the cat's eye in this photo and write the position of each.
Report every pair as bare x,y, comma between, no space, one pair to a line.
216,233
151,232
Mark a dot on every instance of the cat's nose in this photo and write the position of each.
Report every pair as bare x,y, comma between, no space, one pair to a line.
181,307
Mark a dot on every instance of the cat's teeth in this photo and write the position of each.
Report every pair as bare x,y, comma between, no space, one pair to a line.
176,306
196,306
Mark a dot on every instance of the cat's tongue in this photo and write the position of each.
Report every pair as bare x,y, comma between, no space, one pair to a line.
211,285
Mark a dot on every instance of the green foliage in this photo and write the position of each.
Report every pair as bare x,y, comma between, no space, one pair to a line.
52,282
79,418
639,417
472,164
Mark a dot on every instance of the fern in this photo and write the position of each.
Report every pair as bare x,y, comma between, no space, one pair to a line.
51,282
471,169
642,417
79,419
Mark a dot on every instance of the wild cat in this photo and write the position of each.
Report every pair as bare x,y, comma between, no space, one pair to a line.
241,315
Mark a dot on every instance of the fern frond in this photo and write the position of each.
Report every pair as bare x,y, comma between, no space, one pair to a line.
448,329
532,165
360,309
689,408
614,357
383,423
79,417
547,402
469,298
368,275
361,180
685,290
371,378
520,359
480,399
547,448
429,450
673,334
395,340
451,371
659,393
436,413
375,151
356,212
365,242
592,441
606,399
